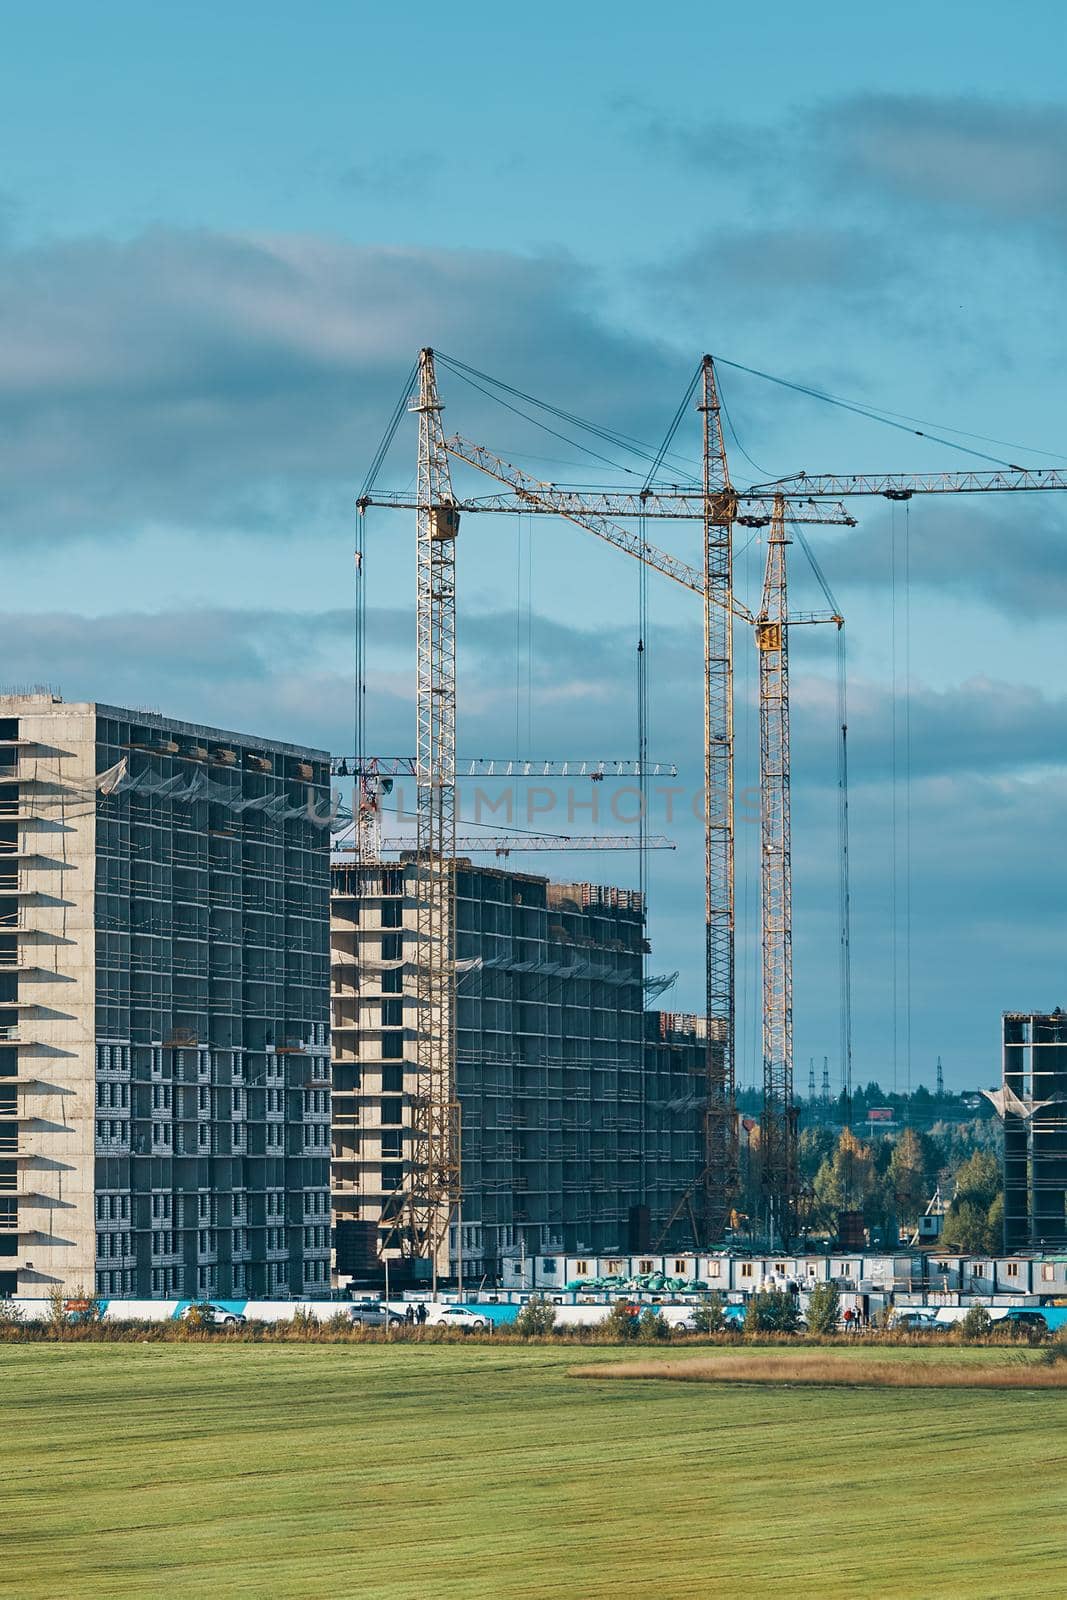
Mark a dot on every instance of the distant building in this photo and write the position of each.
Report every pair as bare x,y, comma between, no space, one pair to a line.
580,1110
164,1006
1033,1104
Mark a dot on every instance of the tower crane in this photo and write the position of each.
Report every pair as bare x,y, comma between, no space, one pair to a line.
432,1196
435,1179
719,506
778,1117
777,1127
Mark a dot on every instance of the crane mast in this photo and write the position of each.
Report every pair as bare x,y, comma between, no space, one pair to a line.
720,1113
778,1118
434,1182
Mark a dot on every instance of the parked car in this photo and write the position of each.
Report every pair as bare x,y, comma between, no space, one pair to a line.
1024,1319
209,1315
456,1317
734,1316
915,1322
374,1314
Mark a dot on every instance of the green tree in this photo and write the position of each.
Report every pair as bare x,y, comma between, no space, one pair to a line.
975,1220
814,1146
978,1179
652,1326
620,1324
846,1180
824,1308
907,1176
966,1229
772,1311
536,1318
976,1324
710,1315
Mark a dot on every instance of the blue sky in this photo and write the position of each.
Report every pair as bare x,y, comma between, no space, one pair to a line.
224,233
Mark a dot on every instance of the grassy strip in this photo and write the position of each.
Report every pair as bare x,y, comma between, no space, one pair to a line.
816,1368
341,1330
305,1470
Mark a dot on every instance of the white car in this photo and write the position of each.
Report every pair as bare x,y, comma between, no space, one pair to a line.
456,1317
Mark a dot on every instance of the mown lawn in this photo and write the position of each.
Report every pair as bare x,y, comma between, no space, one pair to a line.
452,1471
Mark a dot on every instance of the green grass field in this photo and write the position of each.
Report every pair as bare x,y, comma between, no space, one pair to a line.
448,1471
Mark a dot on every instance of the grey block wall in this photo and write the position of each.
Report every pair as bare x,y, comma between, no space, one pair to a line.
169,971
576,1106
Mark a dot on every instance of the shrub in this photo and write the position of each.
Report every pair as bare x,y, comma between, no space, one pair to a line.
652,1326
197,1319
1056,1350
91,1310
976,1324
536,1318
824,1308
710,1315
772,1311
620,1324
304,1321
11,1315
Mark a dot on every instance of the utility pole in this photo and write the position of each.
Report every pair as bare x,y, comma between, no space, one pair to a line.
940,1080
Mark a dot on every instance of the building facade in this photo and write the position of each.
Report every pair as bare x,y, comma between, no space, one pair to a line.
579,1110
1033,1104
164,1006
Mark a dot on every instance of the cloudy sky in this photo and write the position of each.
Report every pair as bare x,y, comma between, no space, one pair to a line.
224,234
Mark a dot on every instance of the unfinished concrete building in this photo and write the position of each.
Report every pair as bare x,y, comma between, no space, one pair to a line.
580,1110
1033,1105
164,1006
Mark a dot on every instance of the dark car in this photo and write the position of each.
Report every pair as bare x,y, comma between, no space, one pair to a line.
1024,1320
374,1314
915,1322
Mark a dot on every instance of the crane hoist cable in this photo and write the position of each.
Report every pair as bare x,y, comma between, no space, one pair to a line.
737,441
610,436
873,414
668,438
907,802
575,444
394,422
894,953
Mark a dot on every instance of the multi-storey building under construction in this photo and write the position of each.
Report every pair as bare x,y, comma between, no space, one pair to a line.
1033,1104
580,1111
164,997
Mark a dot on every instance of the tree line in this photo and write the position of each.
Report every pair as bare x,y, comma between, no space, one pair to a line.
891,1178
